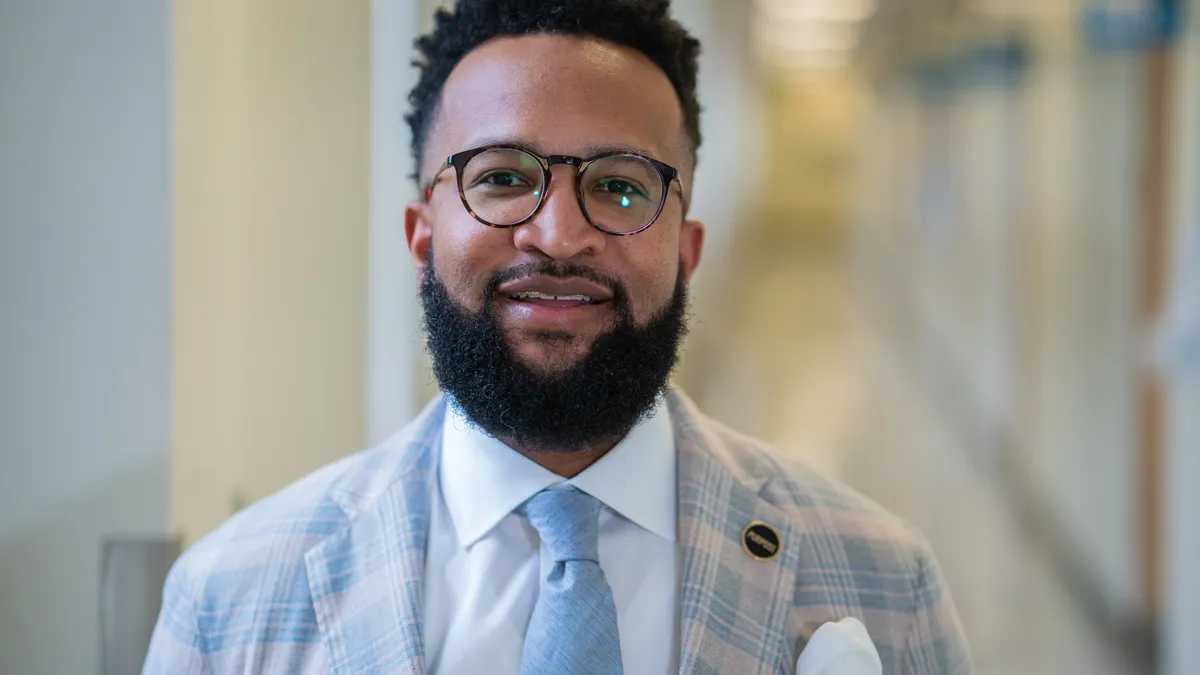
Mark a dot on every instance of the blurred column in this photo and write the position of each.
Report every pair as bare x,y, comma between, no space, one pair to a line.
732,120
726,184
1180,359
1181,623
394,356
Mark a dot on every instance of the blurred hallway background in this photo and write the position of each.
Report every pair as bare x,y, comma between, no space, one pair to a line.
953,259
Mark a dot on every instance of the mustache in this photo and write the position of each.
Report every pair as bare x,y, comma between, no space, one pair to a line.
560,269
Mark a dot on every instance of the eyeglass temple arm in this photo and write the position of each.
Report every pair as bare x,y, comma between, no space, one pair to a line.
683,197
438,174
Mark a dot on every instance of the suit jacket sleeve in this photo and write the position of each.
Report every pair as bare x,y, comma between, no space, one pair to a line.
936,644
175,645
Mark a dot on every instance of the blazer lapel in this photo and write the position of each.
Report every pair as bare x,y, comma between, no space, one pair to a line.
734,607
367,580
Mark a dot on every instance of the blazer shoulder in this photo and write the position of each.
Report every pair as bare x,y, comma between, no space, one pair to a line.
272,532
281,528
851,544
794,486
276,532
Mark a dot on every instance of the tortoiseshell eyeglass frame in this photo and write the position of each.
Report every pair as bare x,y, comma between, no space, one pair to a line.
459,160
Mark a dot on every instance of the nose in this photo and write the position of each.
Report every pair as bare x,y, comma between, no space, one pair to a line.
560,231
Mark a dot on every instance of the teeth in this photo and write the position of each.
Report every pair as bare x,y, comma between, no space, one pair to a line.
525,295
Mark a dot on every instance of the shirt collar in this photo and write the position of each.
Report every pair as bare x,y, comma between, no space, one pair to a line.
483,480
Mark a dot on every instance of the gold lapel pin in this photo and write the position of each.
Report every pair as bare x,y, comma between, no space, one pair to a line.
760,541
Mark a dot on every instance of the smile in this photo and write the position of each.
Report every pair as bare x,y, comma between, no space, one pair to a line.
555,300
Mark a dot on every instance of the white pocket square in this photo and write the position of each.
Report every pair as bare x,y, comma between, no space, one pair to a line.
842,648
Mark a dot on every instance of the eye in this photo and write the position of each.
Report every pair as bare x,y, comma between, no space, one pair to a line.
617,186
507,179
623,188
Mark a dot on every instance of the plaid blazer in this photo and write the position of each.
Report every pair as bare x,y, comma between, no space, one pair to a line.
327,575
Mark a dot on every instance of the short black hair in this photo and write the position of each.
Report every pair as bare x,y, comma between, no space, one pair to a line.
644,25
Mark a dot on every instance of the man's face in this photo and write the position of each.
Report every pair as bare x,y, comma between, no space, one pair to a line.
568,96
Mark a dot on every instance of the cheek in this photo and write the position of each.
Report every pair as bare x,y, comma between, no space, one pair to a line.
652,264
466,255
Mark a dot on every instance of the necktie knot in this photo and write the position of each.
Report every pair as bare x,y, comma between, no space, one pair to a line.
568,521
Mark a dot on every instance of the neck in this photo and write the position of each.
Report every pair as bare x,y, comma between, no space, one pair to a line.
566,464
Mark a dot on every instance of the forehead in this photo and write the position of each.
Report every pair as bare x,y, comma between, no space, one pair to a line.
558,95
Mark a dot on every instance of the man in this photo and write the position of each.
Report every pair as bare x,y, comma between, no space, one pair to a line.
560,509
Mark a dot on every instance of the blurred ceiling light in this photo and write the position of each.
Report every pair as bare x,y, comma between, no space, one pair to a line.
811,60
792,59
1019,9
815,36
800,35
793,11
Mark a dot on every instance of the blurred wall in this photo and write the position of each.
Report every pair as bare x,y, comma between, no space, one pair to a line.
1081,280
1012,218
271,168
84,311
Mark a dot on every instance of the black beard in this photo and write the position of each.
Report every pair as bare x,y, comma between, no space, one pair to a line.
597,400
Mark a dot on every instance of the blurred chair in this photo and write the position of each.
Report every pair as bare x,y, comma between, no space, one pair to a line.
132,572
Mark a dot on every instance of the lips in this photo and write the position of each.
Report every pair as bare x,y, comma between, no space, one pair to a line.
556,291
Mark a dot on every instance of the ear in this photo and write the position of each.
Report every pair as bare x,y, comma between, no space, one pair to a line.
418,230
691,246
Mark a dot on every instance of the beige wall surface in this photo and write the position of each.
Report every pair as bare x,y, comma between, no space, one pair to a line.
270,183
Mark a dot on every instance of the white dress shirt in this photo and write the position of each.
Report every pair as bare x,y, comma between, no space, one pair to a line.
485,562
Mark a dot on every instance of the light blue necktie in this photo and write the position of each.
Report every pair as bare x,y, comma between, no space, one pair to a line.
574,626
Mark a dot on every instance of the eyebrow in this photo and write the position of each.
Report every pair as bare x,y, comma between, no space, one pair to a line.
590,150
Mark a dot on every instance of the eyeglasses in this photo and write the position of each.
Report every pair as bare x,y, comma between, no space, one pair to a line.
619,193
